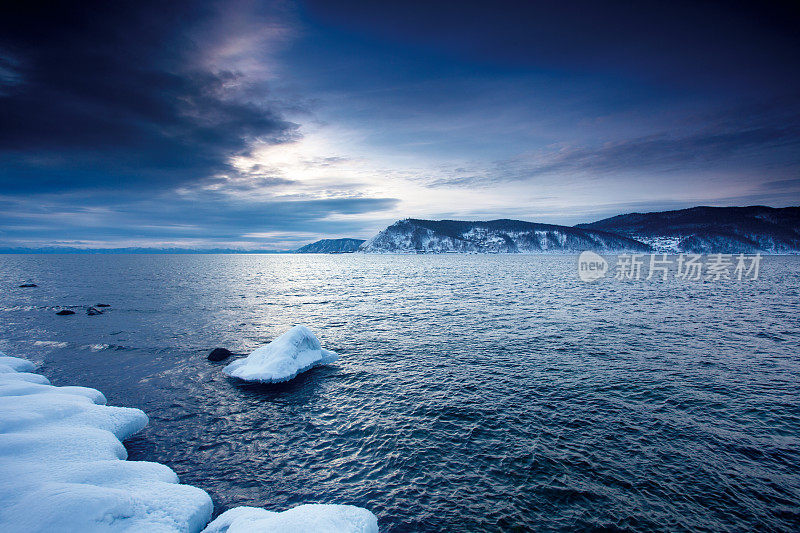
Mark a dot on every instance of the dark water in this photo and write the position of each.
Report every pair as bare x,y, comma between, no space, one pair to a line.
474,393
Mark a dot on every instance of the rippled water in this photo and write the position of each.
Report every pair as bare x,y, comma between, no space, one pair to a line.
474,393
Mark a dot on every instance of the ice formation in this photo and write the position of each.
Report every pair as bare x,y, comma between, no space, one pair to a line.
294,352
301,519
63,467
62,464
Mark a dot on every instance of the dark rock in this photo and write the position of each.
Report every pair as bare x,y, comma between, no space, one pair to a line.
219,354
92,311
103,305
29,285
65,312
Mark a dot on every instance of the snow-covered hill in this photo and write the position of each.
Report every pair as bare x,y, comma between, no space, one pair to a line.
331,246
495,236
711,229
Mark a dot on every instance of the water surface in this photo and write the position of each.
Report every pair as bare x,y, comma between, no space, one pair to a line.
474,393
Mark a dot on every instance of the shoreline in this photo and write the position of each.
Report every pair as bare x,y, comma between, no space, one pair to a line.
64,466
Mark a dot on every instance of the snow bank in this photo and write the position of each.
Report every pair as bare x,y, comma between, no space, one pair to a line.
63,467
15,364
62,464
301,519
294,352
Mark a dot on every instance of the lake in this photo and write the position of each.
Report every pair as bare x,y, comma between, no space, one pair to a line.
473,392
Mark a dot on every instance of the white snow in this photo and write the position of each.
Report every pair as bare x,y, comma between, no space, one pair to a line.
315,518
15,364
62,464
63,467
294,352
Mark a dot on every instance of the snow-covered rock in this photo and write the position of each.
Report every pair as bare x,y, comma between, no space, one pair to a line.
63,467
301,519
62,464
15,364
294,352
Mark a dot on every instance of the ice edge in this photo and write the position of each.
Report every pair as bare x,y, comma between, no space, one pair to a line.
63,466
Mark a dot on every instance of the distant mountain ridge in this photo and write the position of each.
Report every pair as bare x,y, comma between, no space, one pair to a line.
495,236
703,229
711,229
51,250
331,246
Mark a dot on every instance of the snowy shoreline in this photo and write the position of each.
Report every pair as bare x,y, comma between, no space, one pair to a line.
63,468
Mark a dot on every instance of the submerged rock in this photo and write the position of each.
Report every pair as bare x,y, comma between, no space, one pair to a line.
294,352
102,305
65,312
219,354
28,285
93,311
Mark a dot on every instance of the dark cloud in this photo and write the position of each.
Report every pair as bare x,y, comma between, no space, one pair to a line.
114,95
683,42
664,153
759,142
119,120
783,185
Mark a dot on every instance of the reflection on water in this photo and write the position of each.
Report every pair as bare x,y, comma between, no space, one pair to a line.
473,392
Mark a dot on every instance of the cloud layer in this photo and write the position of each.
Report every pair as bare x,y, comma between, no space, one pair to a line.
268,124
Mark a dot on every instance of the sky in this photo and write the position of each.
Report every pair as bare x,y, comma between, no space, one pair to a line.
267,125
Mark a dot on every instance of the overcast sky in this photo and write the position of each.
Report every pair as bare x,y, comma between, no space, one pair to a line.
267,125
